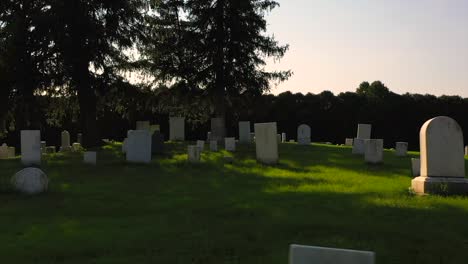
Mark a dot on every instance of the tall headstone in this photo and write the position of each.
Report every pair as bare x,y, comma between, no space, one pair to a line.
442,158
416,167
244,132
143,125
4,151
157,142
373,151
401,149
213,145
299,254
303,135
194,154
201,145
138,147
349,142
31,147
176,129
230,144
364,131
218,129
90,157
266,143
283,137
65,146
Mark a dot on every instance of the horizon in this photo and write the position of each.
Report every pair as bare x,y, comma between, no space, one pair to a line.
417,47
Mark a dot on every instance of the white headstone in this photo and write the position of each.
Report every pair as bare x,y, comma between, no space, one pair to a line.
266,143
373,150
299,254
213,145
283,137
349,142
401,149
244,132
442,158
143,125
364,131
90,157
138,148
194,154
416,167
30,181
201,145
65,146
230,144
176,129
4,151
359,146
30,147
303,135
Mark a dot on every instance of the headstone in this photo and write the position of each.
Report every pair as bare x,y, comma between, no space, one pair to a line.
50,150
154,128
230,144
76,147
79,138
373,151
218,129
194,154
303,135
30,147
364,131
349,142
416,167
138,147
278,137
30,181
65,146
266,143
283,137
90,157
201,145
4,151
359,146
143,125
157,142
11,152
299,254
244,132
176,129
442,158
213,145
401,149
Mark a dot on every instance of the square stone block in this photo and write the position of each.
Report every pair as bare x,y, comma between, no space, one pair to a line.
440,185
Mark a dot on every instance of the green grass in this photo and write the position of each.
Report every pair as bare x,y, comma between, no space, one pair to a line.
174,212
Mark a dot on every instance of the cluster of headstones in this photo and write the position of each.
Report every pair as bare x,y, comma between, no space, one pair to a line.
372,149
7,152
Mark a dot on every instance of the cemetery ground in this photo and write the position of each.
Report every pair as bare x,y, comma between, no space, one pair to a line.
171,211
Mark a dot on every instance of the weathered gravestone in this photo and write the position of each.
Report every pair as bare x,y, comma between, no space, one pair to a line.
194,154
278,138
416,167
303,135
299,254
349,142
90,157
266,143
230,144
364,131
201,145
373,151
176,129
31,147
30,181
244,132
65,138
143,125
213,145
401,149
359,146
4,151
442,158
157,142
283,137
138,148
76,147
218,129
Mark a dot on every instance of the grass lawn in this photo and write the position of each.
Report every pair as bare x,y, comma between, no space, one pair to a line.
174,212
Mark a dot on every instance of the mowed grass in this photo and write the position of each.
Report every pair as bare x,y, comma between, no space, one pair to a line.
174,212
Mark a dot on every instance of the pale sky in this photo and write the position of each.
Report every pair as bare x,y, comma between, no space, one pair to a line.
416,46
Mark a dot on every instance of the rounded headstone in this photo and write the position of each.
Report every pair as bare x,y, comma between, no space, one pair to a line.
30,181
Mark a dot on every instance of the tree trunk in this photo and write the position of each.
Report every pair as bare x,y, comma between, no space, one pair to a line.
220,85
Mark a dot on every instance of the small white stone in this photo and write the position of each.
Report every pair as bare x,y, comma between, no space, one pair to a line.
201,145
194,154
230,144
30,181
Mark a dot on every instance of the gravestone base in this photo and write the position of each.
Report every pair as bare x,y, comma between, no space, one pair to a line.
440,185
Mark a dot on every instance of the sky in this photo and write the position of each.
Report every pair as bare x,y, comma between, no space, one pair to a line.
416,46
